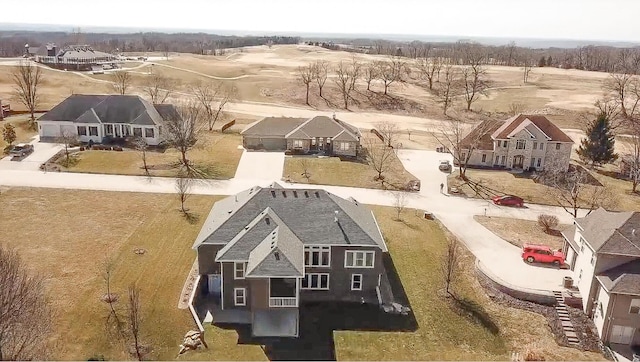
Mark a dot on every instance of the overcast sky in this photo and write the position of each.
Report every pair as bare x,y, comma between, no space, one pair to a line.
549,19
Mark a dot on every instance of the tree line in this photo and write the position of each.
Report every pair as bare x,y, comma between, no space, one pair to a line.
12,43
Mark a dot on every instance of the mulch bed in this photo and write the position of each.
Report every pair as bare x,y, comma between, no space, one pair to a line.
584,327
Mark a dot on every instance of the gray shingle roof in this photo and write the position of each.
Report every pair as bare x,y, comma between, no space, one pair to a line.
280,254
309,214
127,109
599,227
273,127
320,126
623,279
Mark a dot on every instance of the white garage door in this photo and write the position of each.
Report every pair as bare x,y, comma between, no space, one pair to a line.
50,130
68,130
622,334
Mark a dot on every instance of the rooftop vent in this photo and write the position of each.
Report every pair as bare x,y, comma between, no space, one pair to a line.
273,193
246,227
276,255
230,211
335,217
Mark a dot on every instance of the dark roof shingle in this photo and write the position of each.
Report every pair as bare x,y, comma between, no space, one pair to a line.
540,121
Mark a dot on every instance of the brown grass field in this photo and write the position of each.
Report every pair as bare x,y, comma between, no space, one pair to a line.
519,232
70,233
216,153
23,133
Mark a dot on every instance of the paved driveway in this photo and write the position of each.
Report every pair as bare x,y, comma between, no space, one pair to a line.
41,153
256,165
424,165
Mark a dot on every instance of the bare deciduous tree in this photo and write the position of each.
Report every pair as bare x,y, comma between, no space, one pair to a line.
183,187
321,72
304,163
399,203
389,132
379,156
27,79
213,98
306,75
182,129
122,81
624,90
113,319
135,323
449,265
428,68
370,74
460,139
67,138
528,64
141,146
391,71
25,312
474,75
516,108
158,88
548,222
572,191
447,88
346,78
633,162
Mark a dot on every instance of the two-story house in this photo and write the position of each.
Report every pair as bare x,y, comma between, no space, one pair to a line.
603,250
264,251
521,142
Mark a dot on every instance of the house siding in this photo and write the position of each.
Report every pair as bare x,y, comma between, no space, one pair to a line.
206,259
259,293
229,283
340,278
601,310
558,159
306,144
586,283
620,316
352,151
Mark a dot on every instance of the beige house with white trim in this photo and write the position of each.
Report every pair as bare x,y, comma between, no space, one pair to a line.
522,142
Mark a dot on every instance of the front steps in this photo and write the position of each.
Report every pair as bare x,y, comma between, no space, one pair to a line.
565,320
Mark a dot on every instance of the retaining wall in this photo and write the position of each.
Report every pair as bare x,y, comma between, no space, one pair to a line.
531,295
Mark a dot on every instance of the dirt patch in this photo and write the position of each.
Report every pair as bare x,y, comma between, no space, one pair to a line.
518,232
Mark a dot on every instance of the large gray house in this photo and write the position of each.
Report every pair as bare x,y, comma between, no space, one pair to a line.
603,250
322,134
97,118
264,251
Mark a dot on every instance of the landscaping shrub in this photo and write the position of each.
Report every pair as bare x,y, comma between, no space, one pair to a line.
548,222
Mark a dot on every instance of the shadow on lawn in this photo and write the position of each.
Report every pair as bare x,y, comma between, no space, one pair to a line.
318,321
475,311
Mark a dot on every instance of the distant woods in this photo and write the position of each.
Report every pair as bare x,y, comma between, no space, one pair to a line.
12,43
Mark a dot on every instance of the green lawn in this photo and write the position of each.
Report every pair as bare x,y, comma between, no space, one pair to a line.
69,233
217,153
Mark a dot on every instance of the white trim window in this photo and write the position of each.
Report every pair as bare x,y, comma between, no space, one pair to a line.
239,297
317,256
316,281
535,145
503,160
238,270
356,281
484,157
593,259
344,146
539,162
93,130
297,143
520,144
634,308
581,244
359,259
149,133
541,146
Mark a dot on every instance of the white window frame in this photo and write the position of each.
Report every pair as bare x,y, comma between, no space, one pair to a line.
148,130
505,143
635,303
354,281
520,143
93,131
320,250
593,259
484,157
535,145
359,255
235,270
541,146
582,244
344,146
84,128
297,143
503,160
539,162
242,295
308,277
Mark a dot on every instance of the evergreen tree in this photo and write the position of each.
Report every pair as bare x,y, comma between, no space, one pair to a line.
549,61
598,147
542,62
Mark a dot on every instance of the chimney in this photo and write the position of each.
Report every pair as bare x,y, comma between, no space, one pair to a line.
335,217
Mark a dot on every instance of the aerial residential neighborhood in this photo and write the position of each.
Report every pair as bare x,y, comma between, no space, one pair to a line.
169,192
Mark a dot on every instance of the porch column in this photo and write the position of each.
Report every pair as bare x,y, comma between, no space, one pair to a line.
297,292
